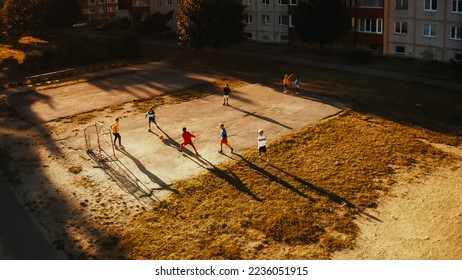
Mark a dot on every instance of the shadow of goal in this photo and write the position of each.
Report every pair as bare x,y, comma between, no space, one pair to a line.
98,142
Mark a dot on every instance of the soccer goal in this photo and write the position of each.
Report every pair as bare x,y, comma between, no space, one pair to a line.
98,142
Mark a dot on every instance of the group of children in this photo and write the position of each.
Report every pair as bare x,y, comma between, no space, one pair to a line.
188,136
287,82
261,142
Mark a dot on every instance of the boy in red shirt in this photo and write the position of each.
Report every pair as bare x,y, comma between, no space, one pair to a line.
187,139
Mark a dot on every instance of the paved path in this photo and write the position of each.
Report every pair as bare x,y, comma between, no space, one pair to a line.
20,236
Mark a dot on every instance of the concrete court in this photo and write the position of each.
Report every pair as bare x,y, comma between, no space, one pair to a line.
126,84
158,163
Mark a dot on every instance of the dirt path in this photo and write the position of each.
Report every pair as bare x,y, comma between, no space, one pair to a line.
421,220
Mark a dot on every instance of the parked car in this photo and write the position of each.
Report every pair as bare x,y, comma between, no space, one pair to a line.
106,25
79,25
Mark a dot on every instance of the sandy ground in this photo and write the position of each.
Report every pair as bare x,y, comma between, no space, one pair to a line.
421,220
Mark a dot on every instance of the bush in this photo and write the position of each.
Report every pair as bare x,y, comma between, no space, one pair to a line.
361,56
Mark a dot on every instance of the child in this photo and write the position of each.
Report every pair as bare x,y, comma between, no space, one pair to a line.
226,92
115,131
297,85
187,139
286,82
152,117
261,144
224,139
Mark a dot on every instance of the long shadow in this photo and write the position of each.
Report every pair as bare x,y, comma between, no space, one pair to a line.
228,176
320,191
163,185
272,177
125,180
169,141
247,113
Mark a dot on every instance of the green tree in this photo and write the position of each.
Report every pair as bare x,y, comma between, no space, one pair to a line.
213,23
321,21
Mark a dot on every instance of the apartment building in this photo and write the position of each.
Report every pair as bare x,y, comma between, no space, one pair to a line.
269,21
425,29
99,10
139,10
422,29
368,28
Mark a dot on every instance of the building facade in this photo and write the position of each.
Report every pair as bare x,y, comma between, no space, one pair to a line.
368,26
422,29
426,29
99,10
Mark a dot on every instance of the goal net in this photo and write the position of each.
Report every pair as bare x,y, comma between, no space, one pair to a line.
98,142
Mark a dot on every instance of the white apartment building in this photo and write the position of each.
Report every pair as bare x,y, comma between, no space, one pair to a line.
422,29
266,20
425,29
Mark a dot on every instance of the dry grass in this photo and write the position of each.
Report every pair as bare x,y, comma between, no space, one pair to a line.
300,206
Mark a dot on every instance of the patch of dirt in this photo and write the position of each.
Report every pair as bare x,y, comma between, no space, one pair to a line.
421,219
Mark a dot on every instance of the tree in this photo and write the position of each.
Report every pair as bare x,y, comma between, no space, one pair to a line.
21,17
61,13
321,21
211,22
157,23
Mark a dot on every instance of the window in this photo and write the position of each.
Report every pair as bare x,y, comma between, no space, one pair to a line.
431,5
247,2
283,20
265,2
169,2
456,6
159,2
249,19
401,28
370,25
265,19
456,33
101,1
284,38
429,30
92,2
293,2
180,2
371,3
283,2
458,57
400,50
401,5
